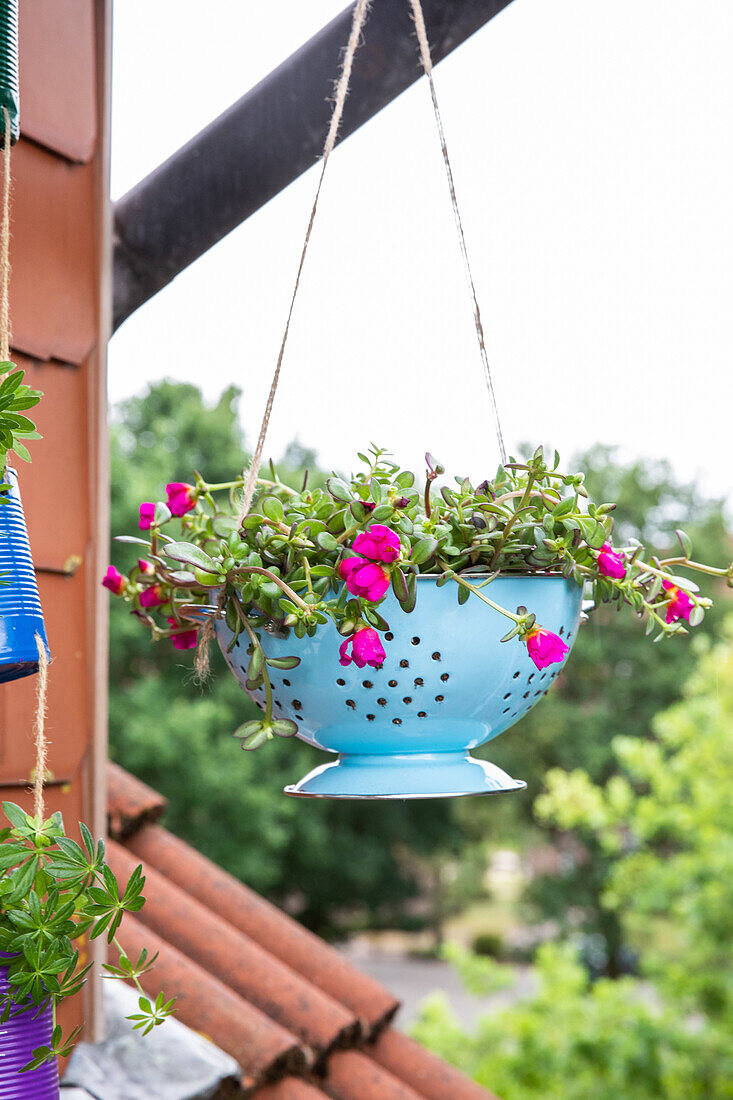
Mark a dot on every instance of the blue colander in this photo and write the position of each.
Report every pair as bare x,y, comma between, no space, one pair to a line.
447,685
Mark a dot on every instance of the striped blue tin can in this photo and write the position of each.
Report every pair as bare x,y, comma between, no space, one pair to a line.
21,616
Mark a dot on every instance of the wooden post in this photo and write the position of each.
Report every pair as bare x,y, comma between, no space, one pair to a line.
60,310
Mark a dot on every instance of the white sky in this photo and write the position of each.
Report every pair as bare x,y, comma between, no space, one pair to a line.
592,145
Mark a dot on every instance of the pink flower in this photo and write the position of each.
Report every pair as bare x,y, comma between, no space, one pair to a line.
364,578
182,497
378,543
366,649
145,567
114,581
544,647
147,515
611,563
152,596
184,639
680,604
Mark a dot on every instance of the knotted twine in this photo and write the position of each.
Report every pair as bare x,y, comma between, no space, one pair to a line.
39,724
361,10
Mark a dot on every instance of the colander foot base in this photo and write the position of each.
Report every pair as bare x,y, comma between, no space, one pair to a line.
409,775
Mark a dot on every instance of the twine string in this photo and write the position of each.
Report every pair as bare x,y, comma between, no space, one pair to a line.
39,729
427,63
39,724
5,249
361,10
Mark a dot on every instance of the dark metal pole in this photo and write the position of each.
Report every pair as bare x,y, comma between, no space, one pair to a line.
268,138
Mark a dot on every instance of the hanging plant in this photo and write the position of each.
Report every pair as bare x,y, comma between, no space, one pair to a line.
52,891
378,572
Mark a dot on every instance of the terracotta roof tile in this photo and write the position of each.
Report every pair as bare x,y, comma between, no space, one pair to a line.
425,1072
262,1048
287,1006
354,1076
265,924
291,1088
130,802
237,961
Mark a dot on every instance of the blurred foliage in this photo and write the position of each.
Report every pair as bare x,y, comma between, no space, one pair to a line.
336,865
666,826
615,682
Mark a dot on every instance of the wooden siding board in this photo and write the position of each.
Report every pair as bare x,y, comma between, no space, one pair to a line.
58,87
54,251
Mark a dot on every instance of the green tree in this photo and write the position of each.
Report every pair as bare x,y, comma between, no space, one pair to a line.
332,863
665,824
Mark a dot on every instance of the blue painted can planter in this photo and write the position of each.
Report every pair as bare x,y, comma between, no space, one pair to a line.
448,684
19,1037
21,617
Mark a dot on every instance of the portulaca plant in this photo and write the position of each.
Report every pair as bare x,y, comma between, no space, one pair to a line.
302,558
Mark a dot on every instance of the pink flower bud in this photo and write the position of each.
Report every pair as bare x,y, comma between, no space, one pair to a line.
680,605
364,578
366,649
114,581
378,543
544,647
145,567
611,563
184,639
152,596
147,515
182,497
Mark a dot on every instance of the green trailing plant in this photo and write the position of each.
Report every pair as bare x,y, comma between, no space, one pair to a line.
53,891
303,557
16,397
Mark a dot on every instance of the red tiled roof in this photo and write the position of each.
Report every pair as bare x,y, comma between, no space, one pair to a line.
301,1021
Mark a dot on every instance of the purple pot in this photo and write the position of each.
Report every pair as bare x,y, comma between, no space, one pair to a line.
19,1036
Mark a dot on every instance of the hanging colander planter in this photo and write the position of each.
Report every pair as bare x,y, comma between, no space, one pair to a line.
21,615
405,730
25,1031
301,586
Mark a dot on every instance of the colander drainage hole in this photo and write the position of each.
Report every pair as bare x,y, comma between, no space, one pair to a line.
287,683
278,704
422,714
561,631
416,641
439,698
396,721
393,683
350,703
526,695
508,695
404,664
341,683
530,678
436,655
367,683
419,681
515,675
296,704
382,702
370,717
506,710
445,676
389,636
407,699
